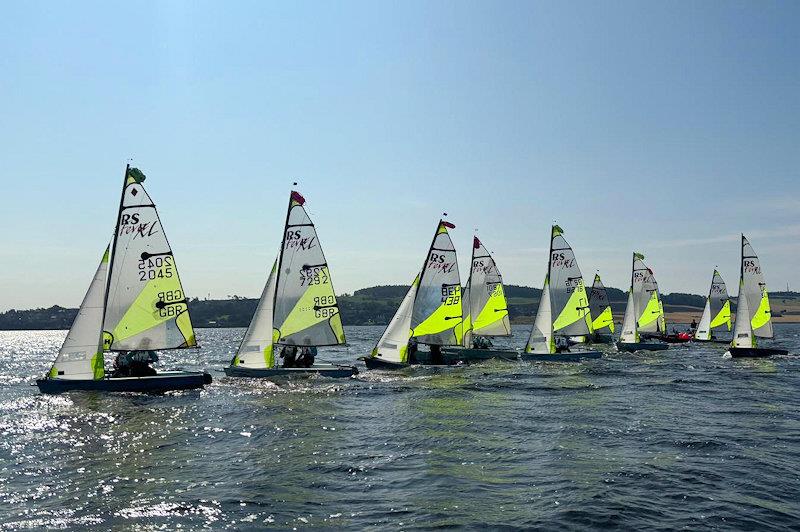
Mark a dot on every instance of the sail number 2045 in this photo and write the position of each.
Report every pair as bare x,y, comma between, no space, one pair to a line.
156,268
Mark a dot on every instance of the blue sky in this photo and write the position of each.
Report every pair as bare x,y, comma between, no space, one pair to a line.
665,127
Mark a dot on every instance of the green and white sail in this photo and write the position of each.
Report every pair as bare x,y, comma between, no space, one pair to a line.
717,310
257,349
81,355
600,308
146,307
393,343
305,310
485,307
650,310
753,313
437,315
565,292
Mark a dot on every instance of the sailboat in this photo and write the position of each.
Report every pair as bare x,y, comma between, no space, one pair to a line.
484,310
716,312
430,313
297,307
135,302
753,314
643,311
600,312
563,307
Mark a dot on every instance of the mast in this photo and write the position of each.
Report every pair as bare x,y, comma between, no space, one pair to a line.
113,254
280,253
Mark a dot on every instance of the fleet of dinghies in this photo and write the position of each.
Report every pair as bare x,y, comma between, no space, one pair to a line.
136,304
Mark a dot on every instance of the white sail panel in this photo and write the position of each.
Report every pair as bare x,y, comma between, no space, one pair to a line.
568,297
146,307
541,338
257,347
466,317
755,290
306,311
742,331
487,300
81,355
630,334
703,331
393,344
437,315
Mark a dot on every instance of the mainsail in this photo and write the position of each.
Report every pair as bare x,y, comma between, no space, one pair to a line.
81,355
637,296
717,310
647,301
145,306
437,314
755,290
600,308
487,313
305,307
753,313
565,294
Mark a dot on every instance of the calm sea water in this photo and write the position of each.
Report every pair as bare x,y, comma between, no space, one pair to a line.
683,438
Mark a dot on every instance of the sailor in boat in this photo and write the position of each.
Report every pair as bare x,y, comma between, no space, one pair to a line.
481,342
307,356
412,351
134,364
436,355
562,344
289,356
693,326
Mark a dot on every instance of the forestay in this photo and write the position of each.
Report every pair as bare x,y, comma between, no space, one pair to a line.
305,309
393,343
146,307
257,347
81,355
488,310
600,308
437,315
568,297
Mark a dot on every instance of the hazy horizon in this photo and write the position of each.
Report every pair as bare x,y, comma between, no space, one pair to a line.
664,129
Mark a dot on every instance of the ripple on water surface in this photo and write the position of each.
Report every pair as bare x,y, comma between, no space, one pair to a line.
682,438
